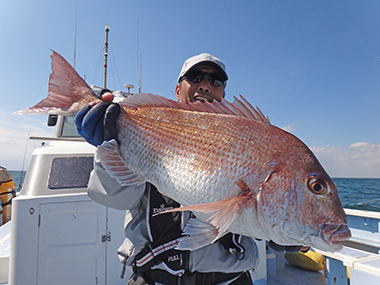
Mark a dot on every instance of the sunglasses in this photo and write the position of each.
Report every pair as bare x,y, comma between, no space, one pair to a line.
198,76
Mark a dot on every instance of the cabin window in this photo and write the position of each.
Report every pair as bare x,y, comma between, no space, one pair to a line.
69,128
70,172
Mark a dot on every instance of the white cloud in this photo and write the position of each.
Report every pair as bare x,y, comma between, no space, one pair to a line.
14,143
360,159
289,128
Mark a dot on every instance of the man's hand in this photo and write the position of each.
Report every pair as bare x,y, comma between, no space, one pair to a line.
96,122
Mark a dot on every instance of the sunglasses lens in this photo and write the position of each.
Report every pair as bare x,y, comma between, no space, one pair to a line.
199,76
195,78
215,82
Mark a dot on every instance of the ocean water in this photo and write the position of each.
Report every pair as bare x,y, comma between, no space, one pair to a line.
355,193
359,193
18,178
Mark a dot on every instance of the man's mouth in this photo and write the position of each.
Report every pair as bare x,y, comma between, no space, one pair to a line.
198,97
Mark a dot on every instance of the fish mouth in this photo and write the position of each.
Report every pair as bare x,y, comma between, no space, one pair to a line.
333,234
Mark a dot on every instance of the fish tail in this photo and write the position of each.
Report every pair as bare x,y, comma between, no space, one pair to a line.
68,92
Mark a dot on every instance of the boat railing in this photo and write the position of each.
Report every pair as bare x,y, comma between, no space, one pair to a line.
359,260
360,254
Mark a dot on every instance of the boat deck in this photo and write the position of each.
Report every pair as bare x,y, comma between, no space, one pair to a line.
294,276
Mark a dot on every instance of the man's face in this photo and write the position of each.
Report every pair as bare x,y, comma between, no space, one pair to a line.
188,91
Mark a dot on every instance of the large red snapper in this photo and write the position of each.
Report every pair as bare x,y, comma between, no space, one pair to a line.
224,161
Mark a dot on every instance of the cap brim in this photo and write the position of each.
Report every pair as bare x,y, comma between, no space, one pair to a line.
212,65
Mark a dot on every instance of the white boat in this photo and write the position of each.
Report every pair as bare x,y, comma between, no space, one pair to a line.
58,235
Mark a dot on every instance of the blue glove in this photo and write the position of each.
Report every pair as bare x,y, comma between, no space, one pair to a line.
97,124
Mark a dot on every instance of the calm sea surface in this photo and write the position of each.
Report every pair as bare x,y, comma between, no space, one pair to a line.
355,193
359,193
18,177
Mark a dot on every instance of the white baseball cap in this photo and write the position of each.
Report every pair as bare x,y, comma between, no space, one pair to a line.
204,59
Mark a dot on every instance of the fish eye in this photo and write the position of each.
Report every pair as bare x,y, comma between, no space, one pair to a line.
316,185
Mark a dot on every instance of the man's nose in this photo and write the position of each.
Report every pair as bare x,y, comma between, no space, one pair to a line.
204,85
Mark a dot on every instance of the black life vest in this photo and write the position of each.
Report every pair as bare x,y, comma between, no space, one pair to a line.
164,230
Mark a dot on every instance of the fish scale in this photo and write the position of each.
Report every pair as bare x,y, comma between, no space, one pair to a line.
204,162
223,161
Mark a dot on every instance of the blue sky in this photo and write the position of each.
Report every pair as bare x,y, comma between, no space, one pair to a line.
311,66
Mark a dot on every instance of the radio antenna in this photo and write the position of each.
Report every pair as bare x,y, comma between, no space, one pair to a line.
105,57
139,59
75,39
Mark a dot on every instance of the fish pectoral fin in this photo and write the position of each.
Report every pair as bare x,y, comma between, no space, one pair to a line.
113,163
198,234
225,211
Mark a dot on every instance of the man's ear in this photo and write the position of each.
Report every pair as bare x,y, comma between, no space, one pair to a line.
177,91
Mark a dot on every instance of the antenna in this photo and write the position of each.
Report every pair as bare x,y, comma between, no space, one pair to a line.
139,59
129,86
105,57
75,38
23,160
140,78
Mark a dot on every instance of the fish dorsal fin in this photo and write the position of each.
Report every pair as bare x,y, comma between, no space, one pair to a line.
239,107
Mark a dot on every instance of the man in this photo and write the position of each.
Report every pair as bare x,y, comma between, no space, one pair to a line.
150,244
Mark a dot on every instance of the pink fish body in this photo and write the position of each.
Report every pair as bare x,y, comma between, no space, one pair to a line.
222,160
